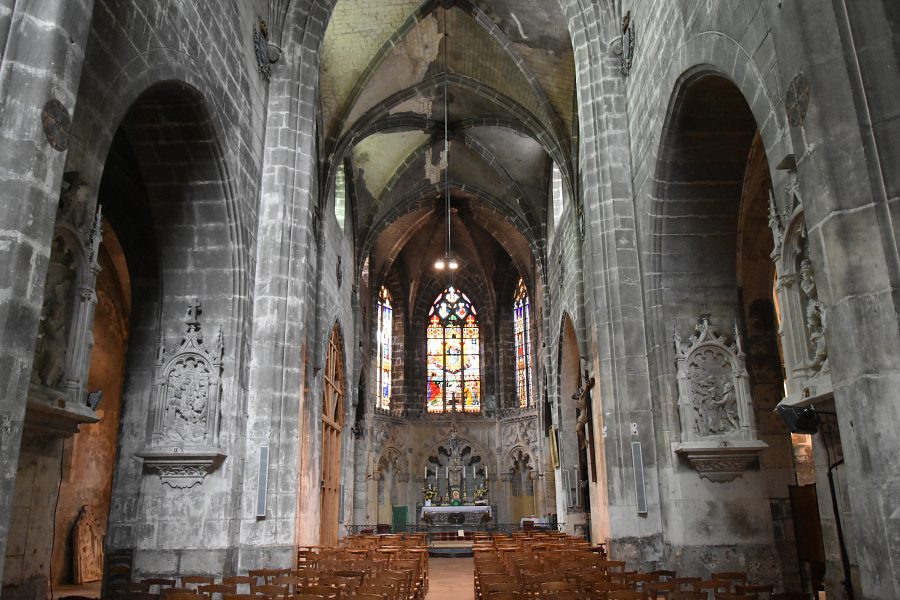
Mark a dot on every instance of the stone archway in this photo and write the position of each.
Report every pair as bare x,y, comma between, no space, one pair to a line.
712,259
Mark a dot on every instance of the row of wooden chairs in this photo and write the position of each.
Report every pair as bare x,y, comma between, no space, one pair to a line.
326,573
531,569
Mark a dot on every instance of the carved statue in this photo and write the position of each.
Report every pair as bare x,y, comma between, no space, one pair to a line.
583,396
815,317
725,411
87,542
50,359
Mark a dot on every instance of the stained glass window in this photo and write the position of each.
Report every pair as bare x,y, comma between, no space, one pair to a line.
385,337
454,377
522,333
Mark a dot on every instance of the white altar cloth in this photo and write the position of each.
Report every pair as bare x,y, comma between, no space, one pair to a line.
462,508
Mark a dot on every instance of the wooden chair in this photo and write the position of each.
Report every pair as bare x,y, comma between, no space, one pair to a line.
326,591
687,583
160,583
734,577
687,595
755,590
662,574
551,587
180,594
273,591
190,582
715,586
657,589
291,582
625,595
730,596
791,596
507,596
382,591
210,589
240,597
136,596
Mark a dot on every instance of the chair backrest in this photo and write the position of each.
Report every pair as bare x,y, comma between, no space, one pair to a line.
687,595
791,596
733,576
754,589
180,594
625,595
506,586
507,596
326,591
269,590
236,580
715,585
687,583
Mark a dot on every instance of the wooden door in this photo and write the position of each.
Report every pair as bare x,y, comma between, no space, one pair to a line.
332,425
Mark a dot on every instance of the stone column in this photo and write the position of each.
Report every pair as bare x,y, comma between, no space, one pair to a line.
613,295
42,60
844,144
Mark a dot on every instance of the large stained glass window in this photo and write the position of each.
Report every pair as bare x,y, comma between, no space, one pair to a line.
454,376
522,332
385,337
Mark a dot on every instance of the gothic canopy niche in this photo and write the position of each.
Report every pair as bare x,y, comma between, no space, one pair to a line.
57,400
803,315
718,432
184,441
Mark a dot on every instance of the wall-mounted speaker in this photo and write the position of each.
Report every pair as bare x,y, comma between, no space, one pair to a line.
262,482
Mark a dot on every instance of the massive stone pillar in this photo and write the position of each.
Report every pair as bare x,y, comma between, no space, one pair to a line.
283,364
40,71
840,70
622,409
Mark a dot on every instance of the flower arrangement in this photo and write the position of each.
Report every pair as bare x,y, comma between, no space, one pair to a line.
481,493
429,493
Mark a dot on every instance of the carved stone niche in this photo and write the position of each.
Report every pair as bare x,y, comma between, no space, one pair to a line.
184,441
57,398
803,316
718,431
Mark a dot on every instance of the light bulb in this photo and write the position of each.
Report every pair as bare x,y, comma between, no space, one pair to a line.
453,264
439,264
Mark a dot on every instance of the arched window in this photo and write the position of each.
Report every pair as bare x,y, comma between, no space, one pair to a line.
522,333
453,354
340,196
385,338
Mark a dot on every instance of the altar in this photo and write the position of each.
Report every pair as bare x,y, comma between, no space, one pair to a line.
457,516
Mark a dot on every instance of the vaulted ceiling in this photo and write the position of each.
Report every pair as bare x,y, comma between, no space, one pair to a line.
506,68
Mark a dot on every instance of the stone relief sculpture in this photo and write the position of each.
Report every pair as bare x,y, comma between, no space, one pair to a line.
87,543
185,435
718,432
187,401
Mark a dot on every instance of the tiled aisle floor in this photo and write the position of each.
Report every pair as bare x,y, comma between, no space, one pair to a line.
450,579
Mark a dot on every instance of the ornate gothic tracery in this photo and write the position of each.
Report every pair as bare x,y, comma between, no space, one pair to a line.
522,332
385,339
454,376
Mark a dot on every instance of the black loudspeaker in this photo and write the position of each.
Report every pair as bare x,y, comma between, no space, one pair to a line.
93,399
800,420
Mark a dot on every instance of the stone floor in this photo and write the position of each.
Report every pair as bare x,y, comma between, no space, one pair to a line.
450,579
